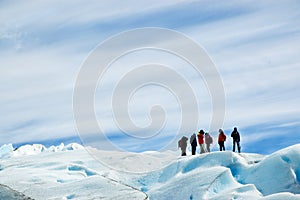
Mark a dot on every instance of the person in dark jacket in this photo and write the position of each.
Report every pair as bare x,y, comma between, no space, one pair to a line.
208,141
193,141
236,139
182,144
221,140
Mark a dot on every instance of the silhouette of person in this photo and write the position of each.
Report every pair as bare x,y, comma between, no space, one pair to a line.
236,139
182,144
193,142
208,141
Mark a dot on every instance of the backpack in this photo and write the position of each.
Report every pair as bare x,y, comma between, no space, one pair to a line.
179,143
210,140
192,138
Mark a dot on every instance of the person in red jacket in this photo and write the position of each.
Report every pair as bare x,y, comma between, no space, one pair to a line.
201,141
221,140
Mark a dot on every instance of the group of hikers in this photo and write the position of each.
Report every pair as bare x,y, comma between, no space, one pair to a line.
205,140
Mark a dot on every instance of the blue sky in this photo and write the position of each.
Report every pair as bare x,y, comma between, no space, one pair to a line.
255,46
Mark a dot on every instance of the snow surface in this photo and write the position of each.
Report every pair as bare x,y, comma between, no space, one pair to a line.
72,172
8,193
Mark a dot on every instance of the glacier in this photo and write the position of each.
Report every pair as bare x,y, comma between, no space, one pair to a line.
72,172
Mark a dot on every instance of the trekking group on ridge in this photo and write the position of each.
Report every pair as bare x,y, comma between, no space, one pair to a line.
205,140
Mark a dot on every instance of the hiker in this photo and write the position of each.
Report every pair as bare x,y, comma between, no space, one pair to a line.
193,142
221,140
201,141
182,144
208,141
236,139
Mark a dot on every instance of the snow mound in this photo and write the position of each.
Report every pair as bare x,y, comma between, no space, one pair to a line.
280,170
133,162
29,150
207,176
7,150
227,175
8,193
69,147
72,147
62,174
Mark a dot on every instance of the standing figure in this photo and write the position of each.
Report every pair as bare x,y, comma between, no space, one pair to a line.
236,139
182,144
201,141
221,140
193,142
208,141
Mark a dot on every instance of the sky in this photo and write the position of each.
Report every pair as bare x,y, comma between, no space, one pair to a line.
254,45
